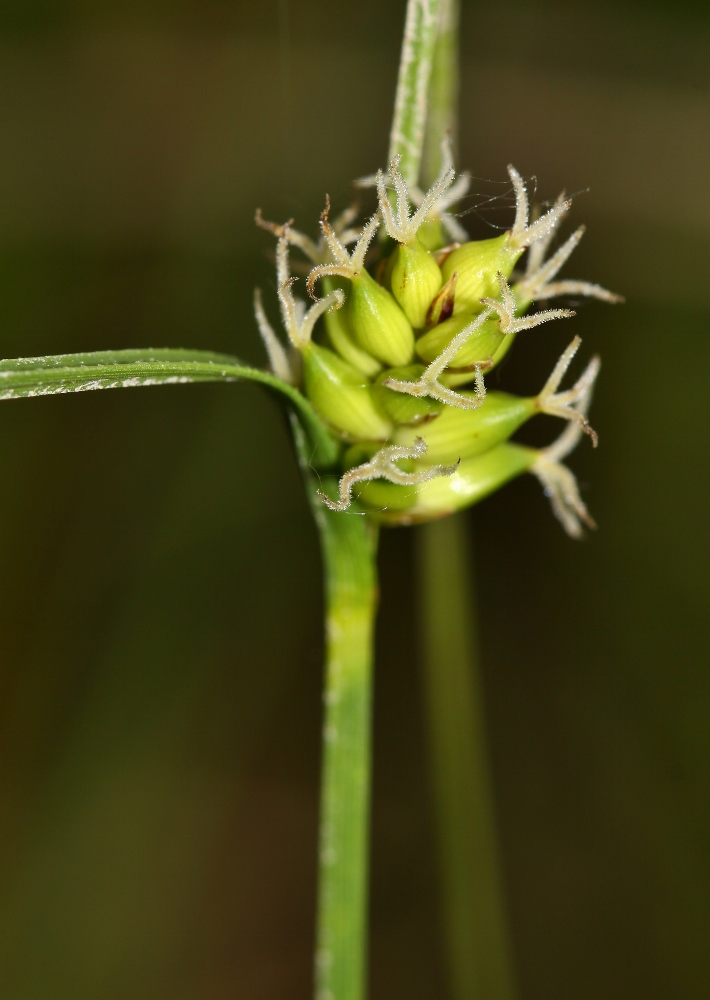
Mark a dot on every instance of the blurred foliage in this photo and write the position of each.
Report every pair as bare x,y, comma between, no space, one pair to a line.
160,590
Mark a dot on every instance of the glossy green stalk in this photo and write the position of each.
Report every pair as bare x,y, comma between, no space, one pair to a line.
476,939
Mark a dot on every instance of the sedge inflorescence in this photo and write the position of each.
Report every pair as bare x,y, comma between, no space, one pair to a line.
394,354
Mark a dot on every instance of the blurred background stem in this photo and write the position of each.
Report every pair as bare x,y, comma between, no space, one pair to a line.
476,938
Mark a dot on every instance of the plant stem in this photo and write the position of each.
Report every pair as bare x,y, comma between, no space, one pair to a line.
474,913
349,545
349,549
443,91
410,107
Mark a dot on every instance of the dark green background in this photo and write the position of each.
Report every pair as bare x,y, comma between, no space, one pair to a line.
160,598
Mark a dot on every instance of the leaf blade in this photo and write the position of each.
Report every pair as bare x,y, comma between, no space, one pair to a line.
65,373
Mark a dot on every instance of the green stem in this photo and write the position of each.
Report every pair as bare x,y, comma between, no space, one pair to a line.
349,545
477,944
443,91
349,548
410,108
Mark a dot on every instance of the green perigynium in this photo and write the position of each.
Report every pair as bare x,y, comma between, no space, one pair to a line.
402,335
379,327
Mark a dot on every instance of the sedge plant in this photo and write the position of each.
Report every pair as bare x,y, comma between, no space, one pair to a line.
381,366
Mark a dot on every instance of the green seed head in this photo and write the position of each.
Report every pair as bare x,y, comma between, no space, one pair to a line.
431,235
378,324
415,280
442,305
420,448
503,349
399,407
341,336
478,264
462,434
343,395
474,479
481,346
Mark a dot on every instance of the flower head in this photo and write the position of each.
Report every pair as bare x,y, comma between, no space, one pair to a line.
405,334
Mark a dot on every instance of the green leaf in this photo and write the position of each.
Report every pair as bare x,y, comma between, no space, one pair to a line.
45,376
